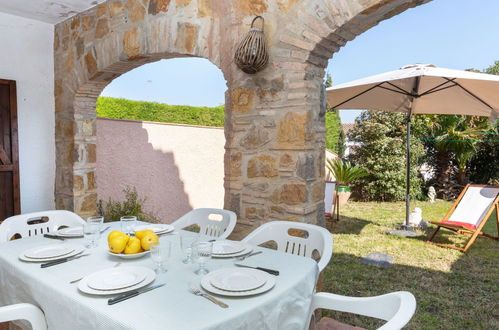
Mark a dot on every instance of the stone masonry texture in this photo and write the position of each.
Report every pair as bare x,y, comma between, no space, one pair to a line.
275,135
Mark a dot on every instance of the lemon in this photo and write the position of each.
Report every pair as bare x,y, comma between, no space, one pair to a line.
118,243
114,233
133,246
140,234
148,239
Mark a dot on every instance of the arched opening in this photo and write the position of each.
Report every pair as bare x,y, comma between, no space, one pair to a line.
160,133
148,142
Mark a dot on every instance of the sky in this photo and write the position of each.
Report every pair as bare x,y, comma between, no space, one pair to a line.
455,34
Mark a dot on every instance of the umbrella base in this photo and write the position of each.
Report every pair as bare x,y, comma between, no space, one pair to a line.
403,233
404,230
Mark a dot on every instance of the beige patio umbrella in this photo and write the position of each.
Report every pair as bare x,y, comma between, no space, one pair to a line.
420,89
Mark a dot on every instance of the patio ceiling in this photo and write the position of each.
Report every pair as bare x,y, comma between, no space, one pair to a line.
49,11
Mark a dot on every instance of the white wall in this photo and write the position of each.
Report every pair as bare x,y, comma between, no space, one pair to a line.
177,167
26,56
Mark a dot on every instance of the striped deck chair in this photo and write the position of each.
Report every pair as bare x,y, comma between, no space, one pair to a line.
469,213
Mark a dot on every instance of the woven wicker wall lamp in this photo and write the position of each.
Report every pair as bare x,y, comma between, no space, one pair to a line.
251,53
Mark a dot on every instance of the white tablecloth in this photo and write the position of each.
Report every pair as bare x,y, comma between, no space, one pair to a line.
286,306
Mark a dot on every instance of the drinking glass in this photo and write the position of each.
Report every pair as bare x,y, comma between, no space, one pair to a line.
90,232
202,253
128,224
98,221
186,243
160,254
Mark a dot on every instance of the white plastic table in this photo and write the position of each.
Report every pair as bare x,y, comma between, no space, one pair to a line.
172,306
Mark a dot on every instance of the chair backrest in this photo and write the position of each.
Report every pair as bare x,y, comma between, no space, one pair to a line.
31,313
315,239
216,223
37,223
397,308
474,204
329,197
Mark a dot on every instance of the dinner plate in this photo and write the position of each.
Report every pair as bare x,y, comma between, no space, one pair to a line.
70,232
247,249
157,228
150,276
77,250
129,256
227,247
205,283
116,278
238,279
49,251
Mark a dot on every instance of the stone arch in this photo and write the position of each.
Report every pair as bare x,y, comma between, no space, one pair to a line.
275,136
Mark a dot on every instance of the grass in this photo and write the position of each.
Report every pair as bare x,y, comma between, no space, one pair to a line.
453,290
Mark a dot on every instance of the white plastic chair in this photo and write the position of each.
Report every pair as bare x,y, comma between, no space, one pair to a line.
216,223
316,238
397,307
26,224
31,313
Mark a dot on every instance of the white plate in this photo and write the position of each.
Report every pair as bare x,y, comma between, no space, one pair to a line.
157,228
77,250
49,251
129,256
116,278
205,283
227,247
150,276
238,279
70,232
247,249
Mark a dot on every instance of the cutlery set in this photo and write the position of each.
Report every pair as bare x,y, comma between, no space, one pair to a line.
132,294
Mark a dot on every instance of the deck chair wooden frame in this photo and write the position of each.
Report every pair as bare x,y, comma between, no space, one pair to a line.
463,230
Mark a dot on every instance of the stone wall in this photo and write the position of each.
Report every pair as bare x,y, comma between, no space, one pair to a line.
274,119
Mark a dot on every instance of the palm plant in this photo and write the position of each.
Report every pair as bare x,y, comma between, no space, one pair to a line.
344,171
454,136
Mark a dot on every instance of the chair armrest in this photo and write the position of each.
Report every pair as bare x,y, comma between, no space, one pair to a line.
28,312
397,307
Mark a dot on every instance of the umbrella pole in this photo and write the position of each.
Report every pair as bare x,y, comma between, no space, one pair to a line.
408,173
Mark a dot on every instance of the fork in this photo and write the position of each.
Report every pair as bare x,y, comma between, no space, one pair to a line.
79,279
198,292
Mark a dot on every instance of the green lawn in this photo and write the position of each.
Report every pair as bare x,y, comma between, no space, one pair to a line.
453,290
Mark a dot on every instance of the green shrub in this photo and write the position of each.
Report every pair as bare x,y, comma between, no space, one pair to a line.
381,150
131,206
108,107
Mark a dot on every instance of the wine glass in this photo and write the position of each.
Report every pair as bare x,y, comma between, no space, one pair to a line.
186,243
202,253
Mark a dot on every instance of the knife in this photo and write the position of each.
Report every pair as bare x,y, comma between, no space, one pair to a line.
53,237
135,293
270,271
103,230
60,261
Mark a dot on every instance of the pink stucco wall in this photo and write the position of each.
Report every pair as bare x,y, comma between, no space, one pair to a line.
177,167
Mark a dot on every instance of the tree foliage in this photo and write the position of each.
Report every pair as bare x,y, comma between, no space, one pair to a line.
484,165
380,139
335,139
